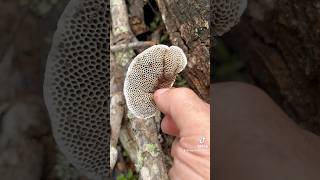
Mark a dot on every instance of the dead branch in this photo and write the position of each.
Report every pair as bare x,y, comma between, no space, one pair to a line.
133,45
143,136
116,115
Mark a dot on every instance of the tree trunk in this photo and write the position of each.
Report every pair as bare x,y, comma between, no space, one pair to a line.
280,40
187,23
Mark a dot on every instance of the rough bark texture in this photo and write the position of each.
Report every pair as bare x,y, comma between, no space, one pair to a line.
138,136
187,23
136,18
280,39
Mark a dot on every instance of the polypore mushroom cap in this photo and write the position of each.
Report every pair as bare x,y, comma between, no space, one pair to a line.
226,14
154,68
76,87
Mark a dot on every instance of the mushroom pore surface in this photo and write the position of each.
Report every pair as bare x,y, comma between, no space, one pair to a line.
226,14
154,68
76,86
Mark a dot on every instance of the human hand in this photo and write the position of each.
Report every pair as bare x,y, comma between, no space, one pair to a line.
188,118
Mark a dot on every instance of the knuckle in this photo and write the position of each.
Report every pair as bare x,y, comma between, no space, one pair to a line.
175,147
183,93
173,150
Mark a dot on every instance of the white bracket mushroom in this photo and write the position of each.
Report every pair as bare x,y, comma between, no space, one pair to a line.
154,68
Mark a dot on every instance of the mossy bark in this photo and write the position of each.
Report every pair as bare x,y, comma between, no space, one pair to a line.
135,134
187,23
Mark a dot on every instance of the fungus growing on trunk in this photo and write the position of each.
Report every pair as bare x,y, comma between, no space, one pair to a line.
226,14
154,68
76,87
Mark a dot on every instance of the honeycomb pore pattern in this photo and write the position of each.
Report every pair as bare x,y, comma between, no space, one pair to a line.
76,87
154,68
226,14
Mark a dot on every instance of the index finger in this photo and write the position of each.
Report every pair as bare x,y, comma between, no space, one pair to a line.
188,111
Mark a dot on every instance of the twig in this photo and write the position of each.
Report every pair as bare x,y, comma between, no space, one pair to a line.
137,44
143,135
116,115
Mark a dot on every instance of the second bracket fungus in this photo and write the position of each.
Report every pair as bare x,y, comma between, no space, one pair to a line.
154,68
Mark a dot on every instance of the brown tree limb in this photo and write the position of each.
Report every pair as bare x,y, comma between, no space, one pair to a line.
143,136
137,44
136,16
187,23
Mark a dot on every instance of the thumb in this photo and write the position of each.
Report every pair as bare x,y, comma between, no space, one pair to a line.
184,107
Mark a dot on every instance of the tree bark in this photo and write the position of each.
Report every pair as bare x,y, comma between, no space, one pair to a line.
138,136
187,23
280,40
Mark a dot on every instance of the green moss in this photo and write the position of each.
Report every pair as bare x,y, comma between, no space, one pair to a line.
140,160
121,29
124,57
147,148
130,115
152,149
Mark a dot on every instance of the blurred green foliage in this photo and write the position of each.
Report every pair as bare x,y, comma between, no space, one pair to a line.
164,39
180,81
155,22
39,7
227,65
128,176
125,153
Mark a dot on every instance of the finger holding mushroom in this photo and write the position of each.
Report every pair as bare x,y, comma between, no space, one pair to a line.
154,68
